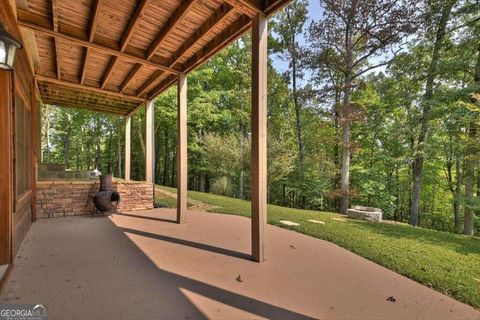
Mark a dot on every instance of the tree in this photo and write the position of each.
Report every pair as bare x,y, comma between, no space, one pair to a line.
440,25
289,24
346,41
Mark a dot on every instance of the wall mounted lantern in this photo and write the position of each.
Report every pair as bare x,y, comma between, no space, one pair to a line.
8,48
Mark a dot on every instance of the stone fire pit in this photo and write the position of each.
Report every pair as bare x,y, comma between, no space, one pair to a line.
365,213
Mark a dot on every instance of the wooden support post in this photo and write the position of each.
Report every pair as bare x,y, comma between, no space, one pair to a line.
6,167
182,148
149,141
128,143
259,135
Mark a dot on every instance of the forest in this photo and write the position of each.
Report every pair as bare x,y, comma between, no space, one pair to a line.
370,102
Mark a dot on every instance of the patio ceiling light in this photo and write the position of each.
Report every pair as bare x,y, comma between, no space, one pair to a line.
8,48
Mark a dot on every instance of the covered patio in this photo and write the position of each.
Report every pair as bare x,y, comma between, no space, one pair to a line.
144,266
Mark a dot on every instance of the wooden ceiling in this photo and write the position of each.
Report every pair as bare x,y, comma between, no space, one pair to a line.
112,55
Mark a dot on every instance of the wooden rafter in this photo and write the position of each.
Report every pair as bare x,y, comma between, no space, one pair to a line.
126,38
130,76
215,19
172,22
133,23
85,60
57,58
55,41
108,72
87,88
235,30
94,20
169,26
55,15
92,45
91,36
155,75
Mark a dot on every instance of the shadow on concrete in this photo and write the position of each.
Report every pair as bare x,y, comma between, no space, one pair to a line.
196,245
171,283
146,217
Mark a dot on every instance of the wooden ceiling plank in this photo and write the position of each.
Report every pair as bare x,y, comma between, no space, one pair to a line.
48,91
133,24
88,108
171,23
130,76
87,88
215,19
81,105
148,83
109,70
92,45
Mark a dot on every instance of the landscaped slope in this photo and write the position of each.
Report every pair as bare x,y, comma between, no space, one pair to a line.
447,262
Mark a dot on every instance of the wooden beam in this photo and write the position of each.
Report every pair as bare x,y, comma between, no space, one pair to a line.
86,88
91,36
84,66
78,99
133,23
169,26
130,76
55,15
125,39
102,48
238,28
214,20
83,106
250,7
128,142
57,58
155,75
234,31
149,141
94,20
182,149
259,135
109,70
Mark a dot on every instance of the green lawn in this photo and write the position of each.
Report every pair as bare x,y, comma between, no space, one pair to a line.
447,262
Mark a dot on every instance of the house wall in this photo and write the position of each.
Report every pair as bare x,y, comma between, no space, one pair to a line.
59,198
18,156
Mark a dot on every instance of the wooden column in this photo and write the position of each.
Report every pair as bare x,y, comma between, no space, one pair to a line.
149,141
182,148
6,167
259,136
128,144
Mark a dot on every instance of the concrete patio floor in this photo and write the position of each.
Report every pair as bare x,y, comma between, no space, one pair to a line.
143,266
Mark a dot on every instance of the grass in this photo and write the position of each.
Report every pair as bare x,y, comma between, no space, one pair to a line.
446,262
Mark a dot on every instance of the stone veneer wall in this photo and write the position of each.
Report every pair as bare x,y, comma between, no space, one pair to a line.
60,198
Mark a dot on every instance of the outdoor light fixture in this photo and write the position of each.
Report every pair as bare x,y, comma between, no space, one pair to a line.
8,47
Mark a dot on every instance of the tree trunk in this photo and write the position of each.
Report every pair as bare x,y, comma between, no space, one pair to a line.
166,158
298,109
417,165
470,179
456,202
